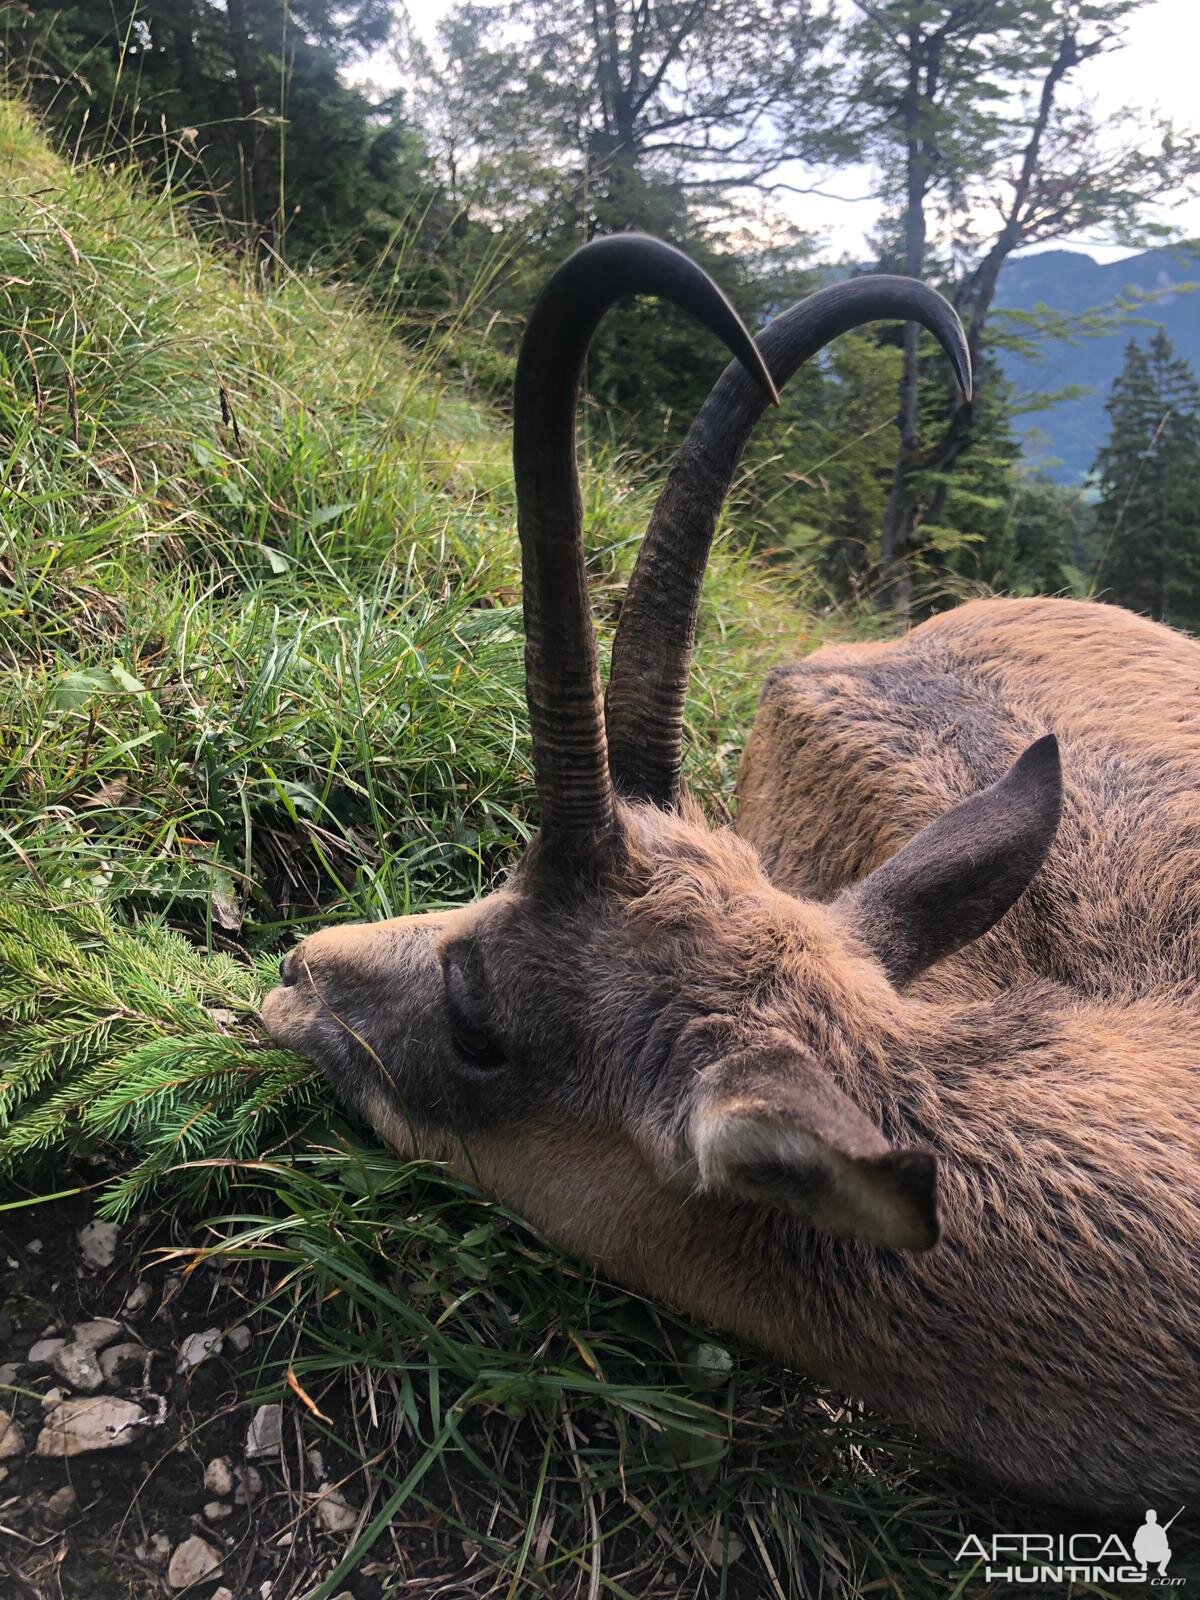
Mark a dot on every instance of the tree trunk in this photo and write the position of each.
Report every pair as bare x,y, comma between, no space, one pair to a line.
249,132
895,579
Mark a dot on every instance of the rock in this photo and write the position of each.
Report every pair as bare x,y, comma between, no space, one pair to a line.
137,1299
97,1333
284,1541
98,1241
217,1510
10,1371
197,1347
52,1397
91,1422
118,1356
719,1551
264,1437
218,1476
61,1504
239,1338
194,1561
34,1247
43,1352
222,1593
249,1481
316,1464
12,1440
78,1367
709,1367
335,1513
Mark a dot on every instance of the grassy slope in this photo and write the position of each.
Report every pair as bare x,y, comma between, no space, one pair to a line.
265,671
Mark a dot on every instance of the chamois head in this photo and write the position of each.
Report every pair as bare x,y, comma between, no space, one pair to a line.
638,982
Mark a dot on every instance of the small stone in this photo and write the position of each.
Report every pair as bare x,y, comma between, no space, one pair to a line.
98,1241
34,1247
239,1338
316,1463
43,1352
264,1437
266,1590
222,1593
97,1333
53,1396
217,1510
12,1440
197,1347
249,1481
118,1356
218,1476
719,1551
193,1561
284,1541
10,1371
335,1513
61,1504
160,1548
79,1367
710,1366
92,1422
137,1299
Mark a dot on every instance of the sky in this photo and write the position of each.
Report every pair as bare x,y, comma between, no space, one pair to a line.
1155,71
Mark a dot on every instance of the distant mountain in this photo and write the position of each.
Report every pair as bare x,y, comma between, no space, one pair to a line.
1064,439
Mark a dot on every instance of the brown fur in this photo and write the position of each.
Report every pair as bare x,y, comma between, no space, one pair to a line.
1050,1068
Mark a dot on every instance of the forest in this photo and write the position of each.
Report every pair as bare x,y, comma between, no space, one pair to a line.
514,132
265,266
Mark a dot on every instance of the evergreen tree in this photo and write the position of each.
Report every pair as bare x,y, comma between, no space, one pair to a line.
1148,473
242,101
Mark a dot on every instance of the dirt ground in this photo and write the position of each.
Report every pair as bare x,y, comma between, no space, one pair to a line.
108,1524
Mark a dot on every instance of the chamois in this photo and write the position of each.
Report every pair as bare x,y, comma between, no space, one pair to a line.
899,1081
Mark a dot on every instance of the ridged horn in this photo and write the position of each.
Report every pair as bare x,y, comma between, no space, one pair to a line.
561,673
653,646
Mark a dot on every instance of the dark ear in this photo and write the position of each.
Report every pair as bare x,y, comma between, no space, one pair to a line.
959,876
770,1125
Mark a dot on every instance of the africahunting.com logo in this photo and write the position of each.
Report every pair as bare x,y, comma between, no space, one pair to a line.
1042,1558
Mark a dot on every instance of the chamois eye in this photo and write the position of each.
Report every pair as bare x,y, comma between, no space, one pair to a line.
476,1046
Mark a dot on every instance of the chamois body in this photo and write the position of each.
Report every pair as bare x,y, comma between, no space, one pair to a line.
1054,1063
902,1082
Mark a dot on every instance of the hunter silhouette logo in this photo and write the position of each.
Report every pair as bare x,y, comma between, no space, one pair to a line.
1150,1545
1092,1558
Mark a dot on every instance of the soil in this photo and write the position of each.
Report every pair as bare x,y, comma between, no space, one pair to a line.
136,1504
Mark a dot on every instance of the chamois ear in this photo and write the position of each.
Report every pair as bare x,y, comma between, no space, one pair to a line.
959,876
768,1124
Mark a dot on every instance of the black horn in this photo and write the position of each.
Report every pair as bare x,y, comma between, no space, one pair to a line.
653,645
561,672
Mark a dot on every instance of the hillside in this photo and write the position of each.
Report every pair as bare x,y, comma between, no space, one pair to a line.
261,634
1154,287
262,670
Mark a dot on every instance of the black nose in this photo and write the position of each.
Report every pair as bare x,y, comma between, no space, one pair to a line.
287,968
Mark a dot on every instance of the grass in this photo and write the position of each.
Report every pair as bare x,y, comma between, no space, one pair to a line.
262,670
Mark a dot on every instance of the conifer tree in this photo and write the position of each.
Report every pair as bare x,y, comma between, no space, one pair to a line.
1148,473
